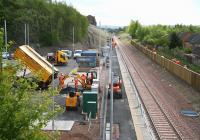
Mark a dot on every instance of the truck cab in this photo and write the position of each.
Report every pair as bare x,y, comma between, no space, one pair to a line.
61,58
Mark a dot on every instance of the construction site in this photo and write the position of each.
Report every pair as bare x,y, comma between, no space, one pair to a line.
99,70
106,94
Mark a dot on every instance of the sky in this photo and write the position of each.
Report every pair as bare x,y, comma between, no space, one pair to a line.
148,12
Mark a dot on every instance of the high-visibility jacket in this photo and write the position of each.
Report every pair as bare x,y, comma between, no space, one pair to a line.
83,78
61,81
76,84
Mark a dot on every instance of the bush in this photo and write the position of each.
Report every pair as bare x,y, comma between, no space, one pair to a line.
187,50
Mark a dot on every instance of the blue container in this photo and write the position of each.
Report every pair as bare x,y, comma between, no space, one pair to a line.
86,59
89,53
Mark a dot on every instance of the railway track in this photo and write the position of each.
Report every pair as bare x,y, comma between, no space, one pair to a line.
161,124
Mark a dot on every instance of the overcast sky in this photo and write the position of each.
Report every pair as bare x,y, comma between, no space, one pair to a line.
148,12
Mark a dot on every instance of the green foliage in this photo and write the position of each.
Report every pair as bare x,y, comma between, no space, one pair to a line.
155,36
49,23
133,27
166,37
159,35
141,33
116,30
170,54
23,110
174,41
187,50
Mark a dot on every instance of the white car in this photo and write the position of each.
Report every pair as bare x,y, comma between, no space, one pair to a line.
77,53
68,52
6,55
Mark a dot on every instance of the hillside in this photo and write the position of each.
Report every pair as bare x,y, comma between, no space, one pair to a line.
91,41
45,23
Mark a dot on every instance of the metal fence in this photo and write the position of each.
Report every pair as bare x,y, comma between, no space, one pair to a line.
191,77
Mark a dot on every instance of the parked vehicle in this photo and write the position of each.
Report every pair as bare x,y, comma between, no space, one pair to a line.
59,58
6,55
68,52
77,53
36,64
89,53
51,57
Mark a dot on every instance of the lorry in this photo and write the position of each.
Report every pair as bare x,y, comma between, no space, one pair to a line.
59,58
37,65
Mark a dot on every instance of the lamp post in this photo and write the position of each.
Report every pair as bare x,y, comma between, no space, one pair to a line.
28,34
25,33
73,39
111,93
5,34
53,95
99,46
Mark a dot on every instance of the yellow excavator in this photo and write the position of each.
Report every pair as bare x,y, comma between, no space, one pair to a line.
73,99
73,93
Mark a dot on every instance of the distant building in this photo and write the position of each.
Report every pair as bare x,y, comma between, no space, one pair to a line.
192,40
92,20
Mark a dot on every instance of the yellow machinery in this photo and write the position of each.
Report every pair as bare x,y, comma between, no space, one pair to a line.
36,64
73,95
61,58
73,100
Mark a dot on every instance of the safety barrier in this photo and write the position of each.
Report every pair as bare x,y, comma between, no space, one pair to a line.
191,77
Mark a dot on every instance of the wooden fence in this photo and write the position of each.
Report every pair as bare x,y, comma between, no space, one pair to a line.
191,77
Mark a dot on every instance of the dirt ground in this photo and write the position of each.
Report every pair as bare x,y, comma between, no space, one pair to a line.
80,132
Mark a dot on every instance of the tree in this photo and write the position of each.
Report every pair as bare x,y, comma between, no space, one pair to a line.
174,41
142,32
133,27
50,23
23,110
160,35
